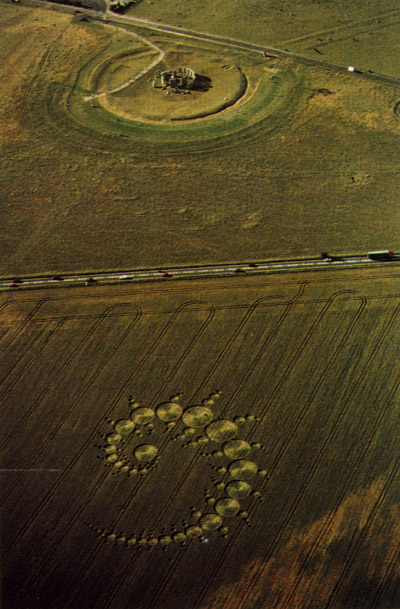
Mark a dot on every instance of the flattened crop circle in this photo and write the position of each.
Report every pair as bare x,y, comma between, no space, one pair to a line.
194,531
142,415
227,506
238,489
145,452
124,426
236,449
197,416
210,522
242,469
221,430
168,411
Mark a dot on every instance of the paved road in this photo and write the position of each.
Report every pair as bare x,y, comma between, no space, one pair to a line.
192,272
211,270
247,46
111,17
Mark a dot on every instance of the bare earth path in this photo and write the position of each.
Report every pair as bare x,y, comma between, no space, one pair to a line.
146,69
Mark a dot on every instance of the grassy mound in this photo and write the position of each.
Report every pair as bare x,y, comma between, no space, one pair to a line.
225,85
243,93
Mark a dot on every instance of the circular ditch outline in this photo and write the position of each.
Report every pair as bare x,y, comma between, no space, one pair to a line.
269,100
58,108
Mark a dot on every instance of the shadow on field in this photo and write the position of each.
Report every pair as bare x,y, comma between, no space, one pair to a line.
202,83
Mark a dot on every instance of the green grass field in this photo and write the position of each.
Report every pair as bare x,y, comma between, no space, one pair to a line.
300,368
291,173
276,22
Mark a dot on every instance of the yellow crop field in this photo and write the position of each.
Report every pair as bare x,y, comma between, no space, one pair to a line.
219,444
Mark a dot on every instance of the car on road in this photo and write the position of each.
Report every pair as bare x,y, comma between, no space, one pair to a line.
381,255
354,70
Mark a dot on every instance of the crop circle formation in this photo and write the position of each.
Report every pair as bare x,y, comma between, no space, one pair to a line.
125,451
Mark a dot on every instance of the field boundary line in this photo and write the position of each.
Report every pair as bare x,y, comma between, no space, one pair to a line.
242,323
303,412
325,527
384,582
43,341
258,574
23,322
344,26
91,437
134,492
289,304
38,400
358,539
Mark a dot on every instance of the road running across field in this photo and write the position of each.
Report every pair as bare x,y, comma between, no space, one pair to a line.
247,46
193,272
110,17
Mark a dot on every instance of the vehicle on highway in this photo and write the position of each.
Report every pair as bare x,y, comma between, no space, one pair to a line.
381,255
354,70
329,257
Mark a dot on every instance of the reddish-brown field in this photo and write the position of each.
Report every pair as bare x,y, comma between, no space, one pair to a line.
281,491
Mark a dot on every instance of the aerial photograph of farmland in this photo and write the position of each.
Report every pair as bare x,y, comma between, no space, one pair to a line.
200,304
